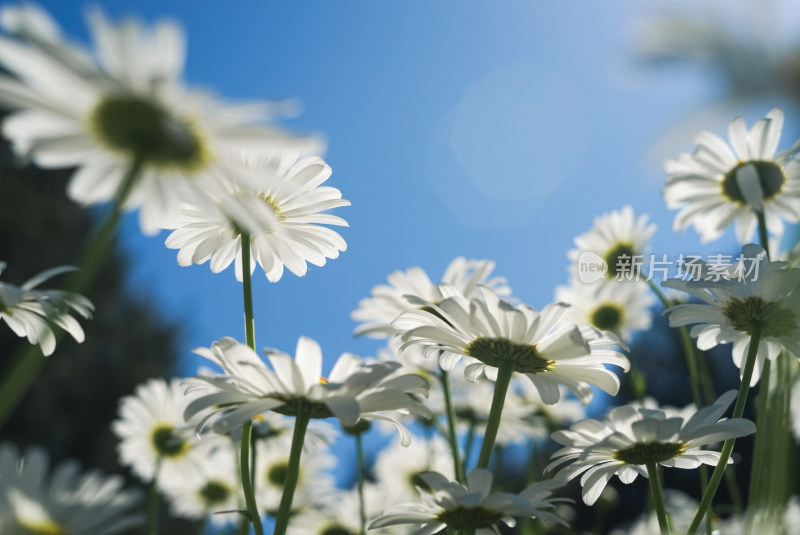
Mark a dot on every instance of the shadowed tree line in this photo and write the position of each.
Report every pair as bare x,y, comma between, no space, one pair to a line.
69,409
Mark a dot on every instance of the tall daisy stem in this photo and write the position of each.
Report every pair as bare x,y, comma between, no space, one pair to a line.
727,447
292,472
504,373
658,498
247,428
362,504
451,425
247,289
152,502
247,487
28,362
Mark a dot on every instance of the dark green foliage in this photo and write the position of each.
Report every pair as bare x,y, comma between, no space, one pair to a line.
70,407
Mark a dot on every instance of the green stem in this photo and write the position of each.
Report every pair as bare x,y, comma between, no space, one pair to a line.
504,373
658,498
28,361
362,504
247,289
451,426
762,231
727,447
292,471
249,495
152,501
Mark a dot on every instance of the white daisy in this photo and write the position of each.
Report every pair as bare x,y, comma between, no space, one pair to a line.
447,504
491,331
397,467
271,425
619,308
633,436
619,238
65,502
130,105
752,292
283,216
717,185
388,301
340,513
155,440
212,490
32,313
521,419
680,507
272,463
352,391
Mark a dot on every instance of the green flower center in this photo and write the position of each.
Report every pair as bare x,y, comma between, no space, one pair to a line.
469,517
141,127
336,529
494,351
607,317
619,258
770,176
646,452
215,492
167,442
276,475
774,320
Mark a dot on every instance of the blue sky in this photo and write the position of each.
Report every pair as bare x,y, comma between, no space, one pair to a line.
485,129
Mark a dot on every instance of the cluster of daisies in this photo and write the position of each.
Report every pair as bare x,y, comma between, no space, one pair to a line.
467,368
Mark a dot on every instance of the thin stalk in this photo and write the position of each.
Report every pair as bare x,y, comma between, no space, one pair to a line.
451,426
247,289
362,504
658,498
292,472
28,361
470,441
152,502
762,231
688,351
727,447
504,373
249,495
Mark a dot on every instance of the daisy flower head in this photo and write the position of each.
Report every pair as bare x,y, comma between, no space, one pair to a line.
123,118
352,391
388,300
633,436
314,481
494,333
752,293
154,439
622,309
397,467
212,487
32,313
339,513
283,214
620,239
33,500
719,183
520,420
448,504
